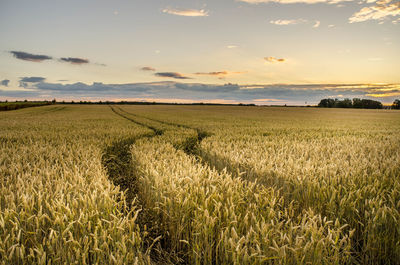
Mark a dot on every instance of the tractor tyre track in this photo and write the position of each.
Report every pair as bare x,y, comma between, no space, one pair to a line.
121,170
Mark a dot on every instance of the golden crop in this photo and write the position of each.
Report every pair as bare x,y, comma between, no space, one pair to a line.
205,185
57,204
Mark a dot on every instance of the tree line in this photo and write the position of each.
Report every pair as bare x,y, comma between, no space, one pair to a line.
355,103
4,106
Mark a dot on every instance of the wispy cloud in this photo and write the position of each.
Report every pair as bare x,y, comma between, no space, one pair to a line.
26,82
317,23
186,12
4,82
384,91
285,22
75,60
267,100
33,79
379,11
29,56
231,46
274,60
383,95
219,74
172,75
147,68
213,73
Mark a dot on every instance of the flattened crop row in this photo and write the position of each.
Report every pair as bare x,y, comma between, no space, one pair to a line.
192,206
366,203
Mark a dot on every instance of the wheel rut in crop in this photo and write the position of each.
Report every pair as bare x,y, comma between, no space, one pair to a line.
192,147
117,160
201,134
155,130
287,188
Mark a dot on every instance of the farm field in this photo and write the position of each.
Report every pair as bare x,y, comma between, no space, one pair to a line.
164,184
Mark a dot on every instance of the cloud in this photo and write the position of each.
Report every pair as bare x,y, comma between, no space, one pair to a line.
294,1
317,23
171,75
39,58
197,92
186,12
213,73
231,46
75,60
274,60
219,74
268,100
26,82
285,22
33,79
4,82
30,57
383,95
206,88
147,68
379,11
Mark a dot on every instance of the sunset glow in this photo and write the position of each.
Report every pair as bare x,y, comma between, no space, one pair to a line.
156,50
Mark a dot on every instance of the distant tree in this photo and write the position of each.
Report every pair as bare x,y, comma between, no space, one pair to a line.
345,103
54,101
371,104
366,104
396,104
327,103
357,103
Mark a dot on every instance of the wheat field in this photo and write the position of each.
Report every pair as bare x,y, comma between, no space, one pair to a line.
163,184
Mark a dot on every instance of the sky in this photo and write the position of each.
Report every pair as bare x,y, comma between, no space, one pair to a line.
267,52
